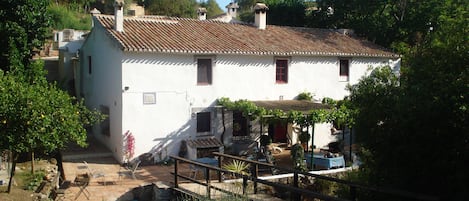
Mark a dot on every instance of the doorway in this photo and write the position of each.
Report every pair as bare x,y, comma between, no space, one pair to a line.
278,132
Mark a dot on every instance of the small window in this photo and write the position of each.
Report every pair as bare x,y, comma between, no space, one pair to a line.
281,71
204,71
90,69
203,122
344,67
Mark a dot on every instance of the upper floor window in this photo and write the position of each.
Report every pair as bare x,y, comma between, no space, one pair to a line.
344,68
281,70
204,71
203,122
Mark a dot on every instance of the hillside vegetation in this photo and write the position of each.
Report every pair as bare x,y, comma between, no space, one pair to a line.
63,17
66,14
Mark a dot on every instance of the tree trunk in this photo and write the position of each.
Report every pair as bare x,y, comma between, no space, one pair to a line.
222,136
12,173
32,163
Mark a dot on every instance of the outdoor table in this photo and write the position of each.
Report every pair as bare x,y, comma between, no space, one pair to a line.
208,161
328,163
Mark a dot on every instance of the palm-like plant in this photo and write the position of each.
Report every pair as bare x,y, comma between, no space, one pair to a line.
236,166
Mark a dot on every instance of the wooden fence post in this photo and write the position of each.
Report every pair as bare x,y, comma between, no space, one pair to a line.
207,179
245,184
220,162
255,173
294,195
176,173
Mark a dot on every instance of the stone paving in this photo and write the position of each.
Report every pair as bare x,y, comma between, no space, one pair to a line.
113,186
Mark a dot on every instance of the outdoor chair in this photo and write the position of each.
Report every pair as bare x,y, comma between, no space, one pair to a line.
95,173
130,169
82,181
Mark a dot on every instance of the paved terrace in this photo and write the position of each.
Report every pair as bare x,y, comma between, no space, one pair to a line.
112,186
115,186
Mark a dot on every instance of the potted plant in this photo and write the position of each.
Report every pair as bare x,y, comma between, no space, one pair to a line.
304,138
298,157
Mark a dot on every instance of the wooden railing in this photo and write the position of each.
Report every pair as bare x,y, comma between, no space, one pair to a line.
295,190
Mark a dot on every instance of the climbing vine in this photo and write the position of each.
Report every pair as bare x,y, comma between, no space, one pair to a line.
249,109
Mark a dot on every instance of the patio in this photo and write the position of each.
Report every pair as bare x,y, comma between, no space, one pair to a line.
116,183
116,186
113,186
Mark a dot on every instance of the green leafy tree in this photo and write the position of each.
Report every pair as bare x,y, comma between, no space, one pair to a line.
107,6
281,12
82,6
174,8
247,4
286,12
36,116
399,24
421,117
213,9
23,31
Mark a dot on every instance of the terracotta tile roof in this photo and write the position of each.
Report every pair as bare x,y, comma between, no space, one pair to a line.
182,35
291,105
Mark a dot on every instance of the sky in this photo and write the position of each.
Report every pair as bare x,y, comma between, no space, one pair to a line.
223,3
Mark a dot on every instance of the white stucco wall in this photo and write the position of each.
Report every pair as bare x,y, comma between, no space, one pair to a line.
66,53
103,86
173,78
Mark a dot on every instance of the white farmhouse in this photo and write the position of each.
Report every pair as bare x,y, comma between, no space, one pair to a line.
159,77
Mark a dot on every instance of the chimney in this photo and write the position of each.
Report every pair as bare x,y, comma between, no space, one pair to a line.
94,12
119,15
202,13
260,15
232,9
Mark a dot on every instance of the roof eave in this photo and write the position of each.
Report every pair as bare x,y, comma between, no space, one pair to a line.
128,49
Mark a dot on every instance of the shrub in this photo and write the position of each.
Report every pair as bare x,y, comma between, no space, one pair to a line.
298,156
64,18
34,180
305,96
